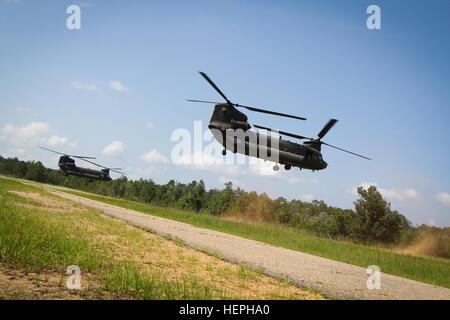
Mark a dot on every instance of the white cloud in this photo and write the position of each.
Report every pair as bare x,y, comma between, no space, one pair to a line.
55,141
33,134
391,194
22,109
292,179
208,162
444,198
232,165
118,86
149,125
138,173
13,153
260,167
235,182
29,134
83,86
307,197
154,157
114,148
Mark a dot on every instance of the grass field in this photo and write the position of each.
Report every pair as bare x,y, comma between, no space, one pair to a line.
435,271
42,234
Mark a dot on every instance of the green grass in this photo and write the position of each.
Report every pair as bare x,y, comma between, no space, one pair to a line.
429,270
30,240
127,277
38,240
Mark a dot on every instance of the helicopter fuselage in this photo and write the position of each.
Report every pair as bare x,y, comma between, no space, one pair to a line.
67,165
231,129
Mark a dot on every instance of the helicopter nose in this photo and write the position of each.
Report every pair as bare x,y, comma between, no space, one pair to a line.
324,164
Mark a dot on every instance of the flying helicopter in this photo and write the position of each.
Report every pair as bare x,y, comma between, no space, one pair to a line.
67,165
226,117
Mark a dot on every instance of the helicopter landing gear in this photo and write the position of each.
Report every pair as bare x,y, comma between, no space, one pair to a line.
276,168
224,152
287,167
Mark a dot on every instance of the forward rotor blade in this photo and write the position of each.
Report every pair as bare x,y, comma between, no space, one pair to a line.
190,100
327,127
269,112
53,151
282,132
117,172
81,157
345,150
68,155
214,86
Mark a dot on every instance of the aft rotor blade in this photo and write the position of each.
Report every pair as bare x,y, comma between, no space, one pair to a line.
214,86
345,150
212,102
99,165
282,132
269,112
327,127
96,164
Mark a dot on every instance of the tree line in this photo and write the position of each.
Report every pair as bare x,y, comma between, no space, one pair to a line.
372,220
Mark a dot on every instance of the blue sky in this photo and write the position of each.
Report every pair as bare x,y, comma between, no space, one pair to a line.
122,80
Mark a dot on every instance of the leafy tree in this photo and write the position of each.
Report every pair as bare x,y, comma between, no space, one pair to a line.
373,220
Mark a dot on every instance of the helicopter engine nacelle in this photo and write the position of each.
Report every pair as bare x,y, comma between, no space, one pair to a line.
240,125
313,144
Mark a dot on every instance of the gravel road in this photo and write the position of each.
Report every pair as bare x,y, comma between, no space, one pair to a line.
332,278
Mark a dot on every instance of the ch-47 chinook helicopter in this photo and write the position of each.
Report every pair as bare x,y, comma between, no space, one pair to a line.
67,165
225,117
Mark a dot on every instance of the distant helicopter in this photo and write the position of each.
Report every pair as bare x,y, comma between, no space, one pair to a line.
290,154
67,165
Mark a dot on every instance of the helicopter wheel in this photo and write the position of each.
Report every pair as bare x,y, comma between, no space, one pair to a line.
287,167
276,168
224,152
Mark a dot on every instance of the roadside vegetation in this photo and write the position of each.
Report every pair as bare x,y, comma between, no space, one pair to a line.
372,222
42,234
426,269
